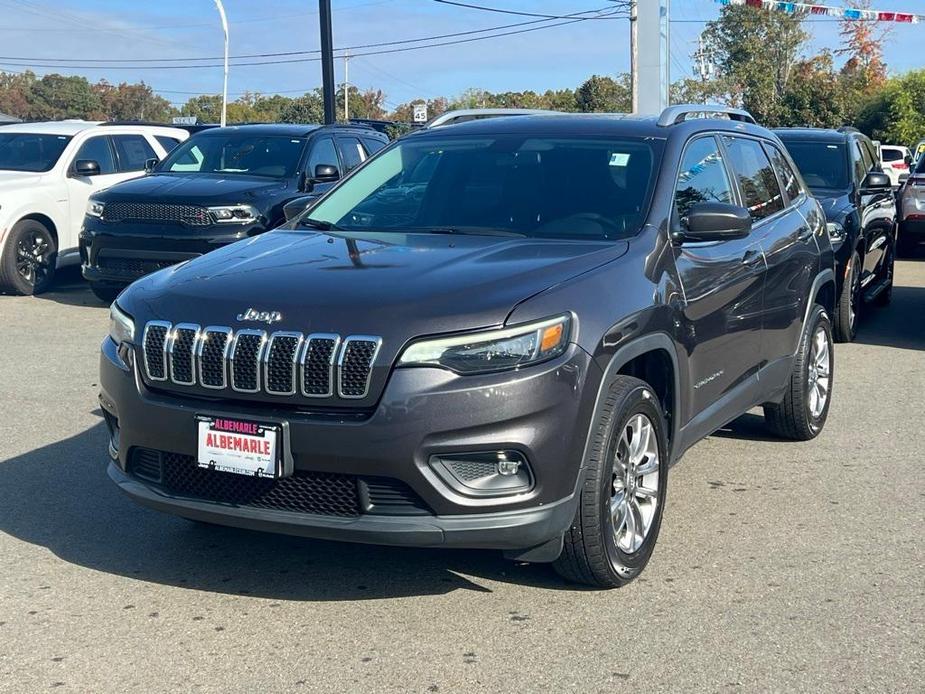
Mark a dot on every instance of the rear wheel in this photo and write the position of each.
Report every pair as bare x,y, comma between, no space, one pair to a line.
849,303
801,415
29,258
620,508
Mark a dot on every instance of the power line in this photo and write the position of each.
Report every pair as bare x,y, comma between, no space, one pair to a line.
622,5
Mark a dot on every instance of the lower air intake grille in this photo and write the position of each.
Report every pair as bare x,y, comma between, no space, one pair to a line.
132,268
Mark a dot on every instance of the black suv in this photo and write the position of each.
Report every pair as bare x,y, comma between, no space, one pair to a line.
842,169
495,335
220,186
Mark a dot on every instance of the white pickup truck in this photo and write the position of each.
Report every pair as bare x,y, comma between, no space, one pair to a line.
47,173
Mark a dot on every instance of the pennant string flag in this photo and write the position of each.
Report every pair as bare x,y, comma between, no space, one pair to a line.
829,11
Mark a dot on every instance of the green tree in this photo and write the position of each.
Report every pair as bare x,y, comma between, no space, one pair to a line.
132,102
896,113
755,53
604,95
308,108
207,108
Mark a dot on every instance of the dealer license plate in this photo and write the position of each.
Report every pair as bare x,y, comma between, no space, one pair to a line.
239,446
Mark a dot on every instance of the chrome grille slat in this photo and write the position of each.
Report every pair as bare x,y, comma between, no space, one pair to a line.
317,365
279,364
154,345
355,367
181,357
244,361
212,353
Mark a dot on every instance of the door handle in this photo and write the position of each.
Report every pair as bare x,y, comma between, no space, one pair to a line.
805,234
751,256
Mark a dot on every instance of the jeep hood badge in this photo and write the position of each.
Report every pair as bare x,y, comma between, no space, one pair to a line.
268,317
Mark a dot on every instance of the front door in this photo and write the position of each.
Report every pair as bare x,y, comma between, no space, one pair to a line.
723,284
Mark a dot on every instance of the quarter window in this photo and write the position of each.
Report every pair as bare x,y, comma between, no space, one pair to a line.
97,149
372,144
760,191
702,178
785,173
168,143
133,151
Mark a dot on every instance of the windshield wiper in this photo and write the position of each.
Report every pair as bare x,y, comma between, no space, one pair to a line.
319,224
466,231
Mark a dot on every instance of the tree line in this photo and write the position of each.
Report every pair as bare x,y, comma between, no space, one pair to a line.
759,61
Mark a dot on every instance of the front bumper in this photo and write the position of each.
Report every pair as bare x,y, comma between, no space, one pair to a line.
118,254
538,411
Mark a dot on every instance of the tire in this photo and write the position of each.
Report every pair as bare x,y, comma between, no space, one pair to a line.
104,292
29,257
592,552
886,294
847,312
799,417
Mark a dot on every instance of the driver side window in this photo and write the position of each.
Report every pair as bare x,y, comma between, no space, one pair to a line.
323,154
98,149
702,177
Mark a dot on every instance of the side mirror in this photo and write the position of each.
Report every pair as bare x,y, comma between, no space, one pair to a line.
150,164
715,221
86,167
325,173
876,182
294,208
908,159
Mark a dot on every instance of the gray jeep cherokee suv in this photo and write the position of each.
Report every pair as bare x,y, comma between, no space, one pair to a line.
499,334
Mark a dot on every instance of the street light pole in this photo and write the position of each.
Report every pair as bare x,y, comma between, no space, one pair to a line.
327,61
221,12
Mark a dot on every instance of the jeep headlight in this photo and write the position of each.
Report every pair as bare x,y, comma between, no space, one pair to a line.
234,214
95,208
492,350
121,325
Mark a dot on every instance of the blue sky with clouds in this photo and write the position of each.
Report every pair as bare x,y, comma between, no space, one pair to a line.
550,58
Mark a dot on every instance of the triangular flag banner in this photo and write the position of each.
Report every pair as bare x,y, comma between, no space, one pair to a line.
829,11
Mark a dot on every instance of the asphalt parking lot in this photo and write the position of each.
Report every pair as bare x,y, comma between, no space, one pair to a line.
781,566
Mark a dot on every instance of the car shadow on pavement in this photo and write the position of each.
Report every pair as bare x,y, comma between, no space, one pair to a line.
900,325
748,427
70,289
60,497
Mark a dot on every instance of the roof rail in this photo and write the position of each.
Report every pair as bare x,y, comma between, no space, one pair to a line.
848,129
677,114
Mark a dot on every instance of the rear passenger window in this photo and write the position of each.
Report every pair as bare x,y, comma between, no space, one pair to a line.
785,173
372,145
133,151
352,151
760,190
168,143
702,178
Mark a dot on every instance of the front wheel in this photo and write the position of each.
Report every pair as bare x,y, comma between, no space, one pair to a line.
620,507
849,303
886,294
29,259
801,415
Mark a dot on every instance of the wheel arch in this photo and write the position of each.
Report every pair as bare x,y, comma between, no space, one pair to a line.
824,292
45,221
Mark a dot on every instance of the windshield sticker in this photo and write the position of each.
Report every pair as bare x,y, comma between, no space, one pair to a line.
619,159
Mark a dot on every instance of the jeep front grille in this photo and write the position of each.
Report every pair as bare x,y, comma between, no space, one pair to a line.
281,363
157,212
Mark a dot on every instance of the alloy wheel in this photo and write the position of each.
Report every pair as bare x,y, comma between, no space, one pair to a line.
33,257
820,368
634,494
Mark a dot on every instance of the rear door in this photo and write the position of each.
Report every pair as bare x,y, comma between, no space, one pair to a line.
723,283
790,249
877,212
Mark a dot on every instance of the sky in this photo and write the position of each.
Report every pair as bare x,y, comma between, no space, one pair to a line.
77,32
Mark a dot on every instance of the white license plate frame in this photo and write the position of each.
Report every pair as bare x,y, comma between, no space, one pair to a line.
241,446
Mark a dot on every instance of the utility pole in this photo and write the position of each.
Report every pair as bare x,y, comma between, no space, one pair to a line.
327,60
346,86
634,57
221,12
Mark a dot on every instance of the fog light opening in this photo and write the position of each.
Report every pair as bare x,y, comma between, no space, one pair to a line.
488,473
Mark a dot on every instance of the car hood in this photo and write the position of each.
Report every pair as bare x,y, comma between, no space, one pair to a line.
397,286
834,204
198,189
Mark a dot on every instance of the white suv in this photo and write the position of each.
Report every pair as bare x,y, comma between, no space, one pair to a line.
47,173
895,160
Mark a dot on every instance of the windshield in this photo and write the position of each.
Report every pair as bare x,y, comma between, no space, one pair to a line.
30,152
823,165
235,153
543,187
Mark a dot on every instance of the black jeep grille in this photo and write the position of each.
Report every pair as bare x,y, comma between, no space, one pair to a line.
157,212
318,493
